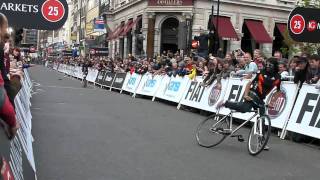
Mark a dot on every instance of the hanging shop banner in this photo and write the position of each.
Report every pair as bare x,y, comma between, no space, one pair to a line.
67,53
280,103
100,77
305,117
205,98
174,88
99,52
99,25
304,25
132,83
149,84
35,14
108,79
119,80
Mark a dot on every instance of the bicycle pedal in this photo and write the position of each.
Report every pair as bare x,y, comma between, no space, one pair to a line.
240,138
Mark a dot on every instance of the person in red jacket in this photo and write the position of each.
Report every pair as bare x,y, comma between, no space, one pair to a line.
7,112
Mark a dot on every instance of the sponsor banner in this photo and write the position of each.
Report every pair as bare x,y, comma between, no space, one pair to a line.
132,83
108,79
40,14
174,88
163,86
205,98
92,75
234,92
149,84
100,77
55,66
281,103
304,25
119,80
305,117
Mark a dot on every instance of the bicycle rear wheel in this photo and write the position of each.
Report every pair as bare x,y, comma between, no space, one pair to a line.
259,135
210,131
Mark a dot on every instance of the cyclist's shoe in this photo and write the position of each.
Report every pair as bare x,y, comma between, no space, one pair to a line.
266,148
220,104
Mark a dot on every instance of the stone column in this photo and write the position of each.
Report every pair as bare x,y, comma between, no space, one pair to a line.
150,34
125,49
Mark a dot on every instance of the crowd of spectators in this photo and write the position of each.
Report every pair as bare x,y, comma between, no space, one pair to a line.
11,68
235,64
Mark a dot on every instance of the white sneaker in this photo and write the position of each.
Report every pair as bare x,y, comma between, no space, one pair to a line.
266,148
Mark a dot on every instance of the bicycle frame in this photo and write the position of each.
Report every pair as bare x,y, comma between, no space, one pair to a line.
241,125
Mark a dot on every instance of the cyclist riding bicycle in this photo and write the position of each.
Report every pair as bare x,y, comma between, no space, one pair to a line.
257,89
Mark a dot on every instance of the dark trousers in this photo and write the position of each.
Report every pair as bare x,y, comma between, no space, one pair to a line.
246,106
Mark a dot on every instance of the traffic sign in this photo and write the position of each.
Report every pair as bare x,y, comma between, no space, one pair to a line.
39,14
304,25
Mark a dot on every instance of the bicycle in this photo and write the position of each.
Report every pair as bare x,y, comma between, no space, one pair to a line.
218,127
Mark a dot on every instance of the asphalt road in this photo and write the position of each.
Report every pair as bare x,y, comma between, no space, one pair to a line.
94,134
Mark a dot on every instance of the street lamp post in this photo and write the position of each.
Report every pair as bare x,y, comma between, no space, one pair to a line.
217,43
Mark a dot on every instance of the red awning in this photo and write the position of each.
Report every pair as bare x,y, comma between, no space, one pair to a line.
258,32
225,28
125,31
131,25
281,27
119,31
111,34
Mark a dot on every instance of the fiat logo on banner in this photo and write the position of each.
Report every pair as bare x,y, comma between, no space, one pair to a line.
277,102
214,94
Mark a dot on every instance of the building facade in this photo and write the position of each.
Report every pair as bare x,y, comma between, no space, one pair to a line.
148,27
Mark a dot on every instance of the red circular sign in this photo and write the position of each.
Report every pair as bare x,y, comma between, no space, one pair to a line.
297,24
312,25
194,44
277,102
53,10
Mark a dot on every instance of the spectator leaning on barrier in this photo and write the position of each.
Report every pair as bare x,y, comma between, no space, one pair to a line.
257,90
7,112
313,73
283,70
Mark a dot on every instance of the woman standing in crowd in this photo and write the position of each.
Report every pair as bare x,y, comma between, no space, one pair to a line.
7,112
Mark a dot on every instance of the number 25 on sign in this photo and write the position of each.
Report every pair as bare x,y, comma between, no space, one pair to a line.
53,10
297,24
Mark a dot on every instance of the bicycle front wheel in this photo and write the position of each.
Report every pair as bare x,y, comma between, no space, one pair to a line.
210,132
259,135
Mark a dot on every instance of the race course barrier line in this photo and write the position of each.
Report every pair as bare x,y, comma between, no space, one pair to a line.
17,159
304,118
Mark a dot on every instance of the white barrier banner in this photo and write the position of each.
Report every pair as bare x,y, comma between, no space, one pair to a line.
205,98
92,75
149,84
55,66
234,92
131,82
173,89
305,117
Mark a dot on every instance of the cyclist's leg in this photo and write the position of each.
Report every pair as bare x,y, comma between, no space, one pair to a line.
243,107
